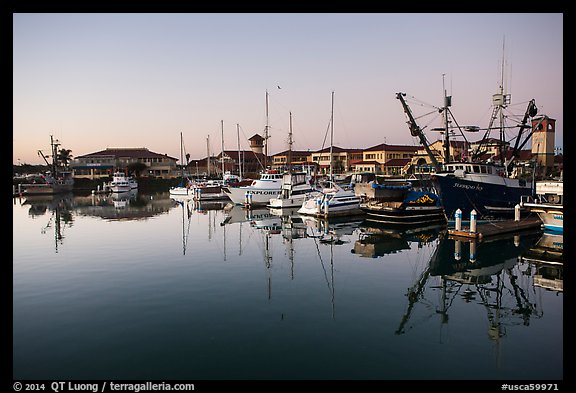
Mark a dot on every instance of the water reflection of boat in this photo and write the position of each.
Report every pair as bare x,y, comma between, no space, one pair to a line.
42,203
330,230
547,258
187,209
485,274
60,208
121,200
235,213
377,240
202,206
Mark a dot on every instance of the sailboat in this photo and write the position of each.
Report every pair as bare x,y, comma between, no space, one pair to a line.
183,189
332,200
295,185
261,190
211,190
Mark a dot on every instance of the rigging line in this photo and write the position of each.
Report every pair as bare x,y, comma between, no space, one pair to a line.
427,114
325,136
322,263
420,102
255,155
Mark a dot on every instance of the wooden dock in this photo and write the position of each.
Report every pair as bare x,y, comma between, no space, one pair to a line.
497,228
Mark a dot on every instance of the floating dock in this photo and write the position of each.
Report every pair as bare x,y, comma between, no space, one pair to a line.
496,228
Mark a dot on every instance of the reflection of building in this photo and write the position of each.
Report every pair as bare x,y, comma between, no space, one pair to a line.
109,207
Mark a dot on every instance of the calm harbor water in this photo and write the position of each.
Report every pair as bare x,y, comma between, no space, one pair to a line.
150,288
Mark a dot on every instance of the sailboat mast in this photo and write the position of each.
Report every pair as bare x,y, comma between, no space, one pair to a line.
266,134
182,154
331,136
290,146
208,154
239,161
222,156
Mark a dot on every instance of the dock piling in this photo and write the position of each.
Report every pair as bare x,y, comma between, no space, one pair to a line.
458,218
473,221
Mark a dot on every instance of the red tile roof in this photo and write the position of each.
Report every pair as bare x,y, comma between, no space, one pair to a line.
124,152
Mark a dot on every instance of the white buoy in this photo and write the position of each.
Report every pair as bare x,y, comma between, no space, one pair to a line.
517,212
473,221
458,219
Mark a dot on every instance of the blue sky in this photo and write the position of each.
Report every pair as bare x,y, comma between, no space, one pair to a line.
138,80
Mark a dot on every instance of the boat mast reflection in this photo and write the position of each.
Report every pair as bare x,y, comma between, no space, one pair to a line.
60,208
483,273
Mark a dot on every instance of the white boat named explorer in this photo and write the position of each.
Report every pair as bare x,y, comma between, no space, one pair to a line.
260,192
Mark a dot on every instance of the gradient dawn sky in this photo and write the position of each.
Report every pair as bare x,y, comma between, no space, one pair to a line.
137,80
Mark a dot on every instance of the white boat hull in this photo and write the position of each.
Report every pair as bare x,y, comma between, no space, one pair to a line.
283,203
120,188
319,206
181,191
244,195
552,217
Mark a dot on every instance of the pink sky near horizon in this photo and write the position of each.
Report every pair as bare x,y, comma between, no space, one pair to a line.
138,80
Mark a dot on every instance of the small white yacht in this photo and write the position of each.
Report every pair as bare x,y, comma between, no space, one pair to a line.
122,183
332,201
294,191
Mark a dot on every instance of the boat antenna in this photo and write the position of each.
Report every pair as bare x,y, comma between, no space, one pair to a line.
447,104
208,154
222,158
239,161
266,134
290,146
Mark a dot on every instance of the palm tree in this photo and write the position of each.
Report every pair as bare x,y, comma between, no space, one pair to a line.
64,157
136,168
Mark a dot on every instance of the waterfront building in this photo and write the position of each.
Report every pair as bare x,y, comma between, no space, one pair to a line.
104,163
